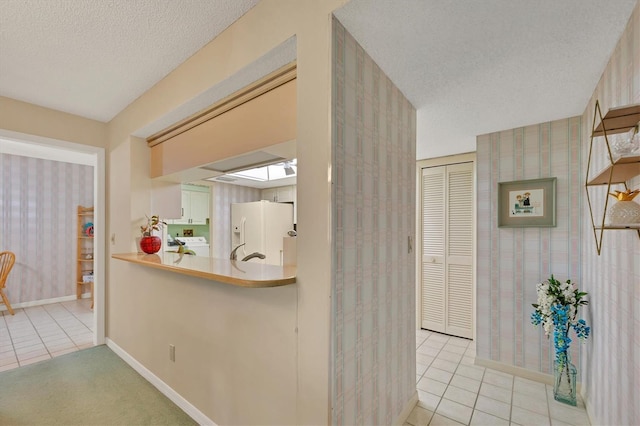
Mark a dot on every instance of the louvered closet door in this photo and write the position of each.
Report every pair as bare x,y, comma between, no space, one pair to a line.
447,258
459,246
433,249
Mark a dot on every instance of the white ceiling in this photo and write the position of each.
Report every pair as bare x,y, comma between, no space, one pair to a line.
469,67
475,67
94,57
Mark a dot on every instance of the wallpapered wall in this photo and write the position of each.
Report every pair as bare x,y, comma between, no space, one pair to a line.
223,194
611,371
511,261
38,204
373,289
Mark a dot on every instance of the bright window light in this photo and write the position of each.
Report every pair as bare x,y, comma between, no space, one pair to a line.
269,173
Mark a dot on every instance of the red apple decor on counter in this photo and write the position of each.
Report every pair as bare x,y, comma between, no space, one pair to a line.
150,244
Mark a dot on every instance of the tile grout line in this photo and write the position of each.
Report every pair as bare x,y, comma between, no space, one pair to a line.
13,348
13,343
449,382
39,336
513,389
63,328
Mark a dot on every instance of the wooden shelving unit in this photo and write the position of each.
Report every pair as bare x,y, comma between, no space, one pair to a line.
84,261
619,170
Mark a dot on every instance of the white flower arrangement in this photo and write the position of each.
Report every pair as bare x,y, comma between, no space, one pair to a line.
558,307
557,311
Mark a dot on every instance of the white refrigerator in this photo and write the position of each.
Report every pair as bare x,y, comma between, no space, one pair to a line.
260,226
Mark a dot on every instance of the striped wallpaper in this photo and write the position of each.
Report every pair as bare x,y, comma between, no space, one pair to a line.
38,221
611,370
223,194
373,213
511,261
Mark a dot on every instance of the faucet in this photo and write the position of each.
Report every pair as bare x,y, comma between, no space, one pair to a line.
252,255
233,255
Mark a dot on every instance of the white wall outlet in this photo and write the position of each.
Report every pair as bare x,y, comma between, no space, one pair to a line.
172,353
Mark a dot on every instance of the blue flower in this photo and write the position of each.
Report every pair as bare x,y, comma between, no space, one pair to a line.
536,318
556,311
581,329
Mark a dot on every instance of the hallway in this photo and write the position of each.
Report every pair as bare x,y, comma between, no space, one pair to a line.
454,391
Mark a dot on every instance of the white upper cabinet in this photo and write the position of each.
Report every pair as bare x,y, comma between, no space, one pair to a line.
195,208
281,194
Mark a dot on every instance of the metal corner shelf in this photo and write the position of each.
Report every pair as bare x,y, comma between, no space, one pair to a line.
620,169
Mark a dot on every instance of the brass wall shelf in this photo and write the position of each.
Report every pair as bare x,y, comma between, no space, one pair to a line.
619,170
630,226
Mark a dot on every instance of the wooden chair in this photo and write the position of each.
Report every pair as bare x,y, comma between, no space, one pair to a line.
7,259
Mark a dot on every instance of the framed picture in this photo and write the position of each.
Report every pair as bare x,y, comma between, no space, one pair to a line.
527,203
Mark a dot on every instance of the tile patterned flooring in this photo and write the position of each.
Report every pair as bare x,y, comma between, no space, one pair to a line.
42,332
453,391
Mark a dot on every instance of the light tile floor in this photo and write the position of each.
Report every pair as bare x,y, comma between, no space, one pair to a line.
453,391
42,332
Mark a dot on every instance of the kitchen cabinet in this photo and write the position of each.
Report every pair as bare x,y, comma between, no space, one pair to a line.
195,208
269,194
282,194
620,168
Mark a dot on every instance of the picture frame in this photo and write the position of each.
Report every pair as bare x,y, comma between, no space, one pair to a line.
527,203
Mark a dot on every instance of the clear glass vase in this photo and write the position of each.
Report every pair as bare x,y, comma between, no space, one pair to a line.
564,383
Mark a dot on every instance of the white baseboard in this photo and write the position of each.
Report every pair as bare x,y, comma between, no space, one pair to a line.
589,409
165,389
519,371
44,301
406,411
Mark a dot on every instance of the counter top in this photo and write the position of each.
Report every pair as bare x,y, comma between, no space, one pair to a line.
234,272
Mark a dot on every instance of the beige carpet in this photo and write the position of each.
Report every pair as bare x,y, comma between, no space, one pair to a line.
89,387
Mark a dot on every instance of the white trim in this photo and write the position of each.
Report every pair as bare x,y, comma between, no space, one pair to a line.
95,156
8,146
520,372
445,161
44,147
100,235
45,301
588,408
406,411
164,388
417,246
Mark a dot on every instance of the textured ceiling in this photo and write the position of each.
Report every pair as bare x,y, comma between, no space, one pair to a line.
475,67
94,57
469,67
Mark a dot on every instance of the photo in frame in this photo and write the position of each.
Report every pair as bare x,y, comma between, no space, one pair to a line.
527,203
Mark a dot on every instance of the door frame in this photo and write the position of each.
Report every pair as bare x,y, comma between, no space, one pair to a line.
93,156
469,157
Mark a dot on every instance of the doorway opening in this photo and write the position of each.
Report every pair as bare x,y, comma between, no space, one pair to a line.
43,175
